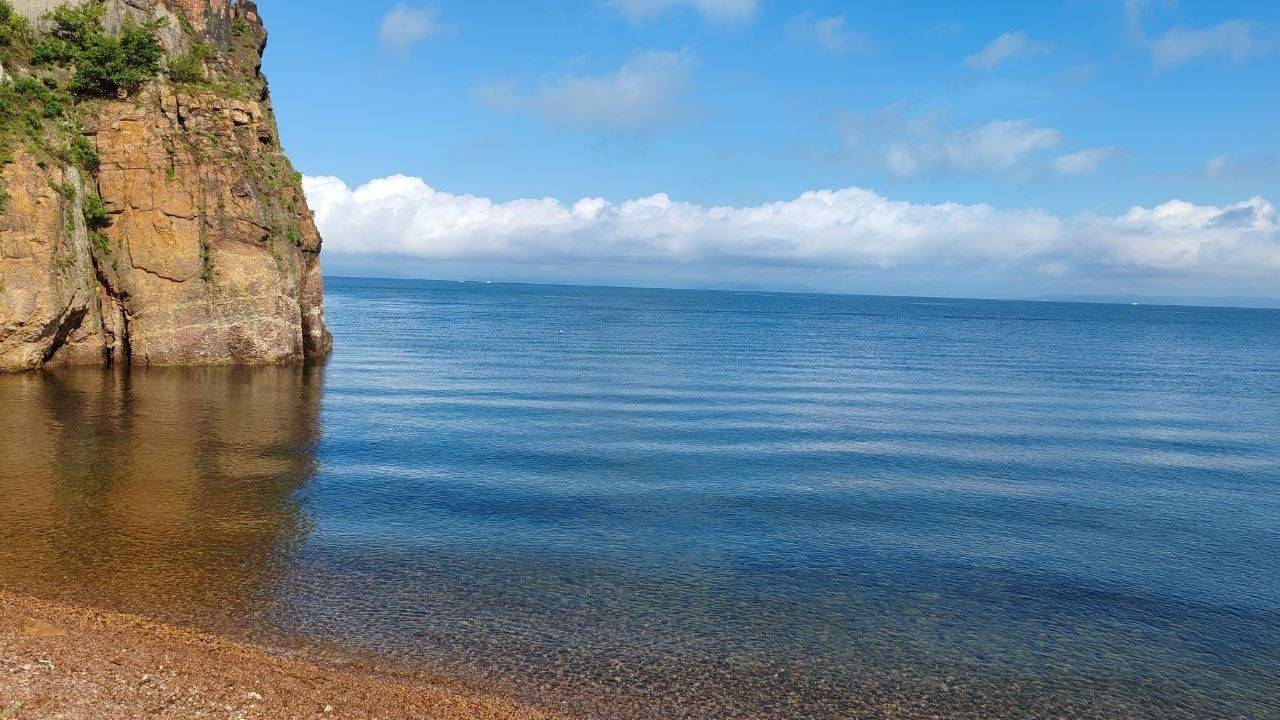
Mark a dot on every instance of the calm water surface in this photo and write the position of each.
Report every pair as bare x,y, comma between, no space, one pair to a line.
704,505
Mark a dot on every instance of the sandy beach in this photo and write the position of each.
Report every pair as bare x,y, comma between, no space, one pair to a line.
68,663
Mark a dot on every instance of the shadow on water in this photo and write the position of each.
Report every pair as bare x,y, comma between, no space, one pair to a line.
170,492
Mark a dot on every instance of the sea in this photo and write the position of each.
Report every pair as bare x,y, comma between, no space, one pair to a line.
629,503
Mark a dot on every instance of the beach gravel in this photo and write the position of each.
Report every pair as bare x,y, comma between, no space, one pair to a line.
66,663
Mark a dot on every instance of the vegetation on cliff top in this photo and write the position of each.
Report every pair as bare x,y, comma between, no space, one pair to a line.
104,64
52,76
15,31
47,73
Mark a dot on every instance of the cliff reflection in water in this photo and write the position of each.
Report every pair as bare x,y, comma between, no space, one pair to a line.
167,491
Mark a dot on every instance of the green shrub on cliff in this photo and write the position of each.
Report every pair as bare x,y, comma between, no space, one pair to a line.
121,63
101,245
104,64
84,154
25,105
189,67
96,220
46,101
72,29
95,213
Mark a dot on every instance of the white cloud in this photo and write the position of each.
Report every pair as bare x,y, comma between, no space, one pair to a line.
1237,40
1086,162
726,12
853,230
1134,11
1226,167
1216,166
827,33
645,93
404,26
1007,47
907,146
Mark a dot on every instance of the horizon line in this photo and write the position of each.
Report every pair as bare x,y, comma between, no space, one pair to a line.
1118,299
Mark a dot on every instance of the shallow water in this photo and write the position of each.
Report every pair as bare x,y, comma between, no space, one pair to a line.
682,504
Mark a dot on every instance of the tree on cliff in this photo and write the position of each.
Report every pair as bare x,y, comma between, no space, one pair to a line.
105,64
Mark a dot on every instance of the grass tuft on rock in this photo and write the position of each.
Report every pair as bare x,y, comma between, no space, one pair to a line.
84,154
189,67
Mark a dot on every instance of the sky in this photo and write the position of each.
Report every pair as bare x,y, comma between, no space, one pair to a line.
994,149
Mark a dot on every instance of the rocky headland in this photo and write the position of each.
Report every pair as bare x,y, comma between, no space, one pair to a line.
148,214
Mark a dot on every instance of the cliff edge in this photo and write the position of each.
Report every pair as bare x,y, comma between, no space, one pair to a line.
148,214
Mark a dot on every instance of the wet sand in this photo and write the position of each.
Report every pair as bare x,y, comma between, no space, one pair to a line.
73,663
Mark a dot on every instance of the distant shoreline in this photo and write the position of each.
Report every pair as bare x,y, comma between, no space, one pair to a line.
78,663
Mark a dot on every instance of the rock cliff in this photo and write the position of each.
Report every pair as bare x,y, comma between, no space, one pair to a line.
148,214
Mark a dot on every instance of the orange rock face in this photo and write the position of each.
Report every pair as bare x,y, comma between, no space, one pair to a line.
211,255
46,277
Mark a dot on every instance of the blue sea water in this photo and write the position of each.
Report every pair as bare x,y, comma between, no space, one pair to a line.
669,504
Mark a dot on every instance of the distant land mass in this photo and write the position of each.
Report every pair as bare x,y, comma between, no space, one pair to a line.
734,286
1243,302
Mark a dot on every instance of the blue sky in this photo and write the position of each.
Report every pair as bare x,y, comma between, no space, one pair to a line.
992,148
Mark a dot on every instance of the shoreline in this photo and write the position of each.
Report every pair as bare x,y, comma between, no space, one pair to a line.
75,663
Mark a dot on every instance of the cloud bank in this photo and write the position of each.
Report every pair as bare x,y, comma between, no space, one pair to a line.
849,239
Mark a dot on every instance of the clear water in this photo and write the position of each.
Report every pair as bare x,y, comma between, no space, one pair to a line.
661,504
